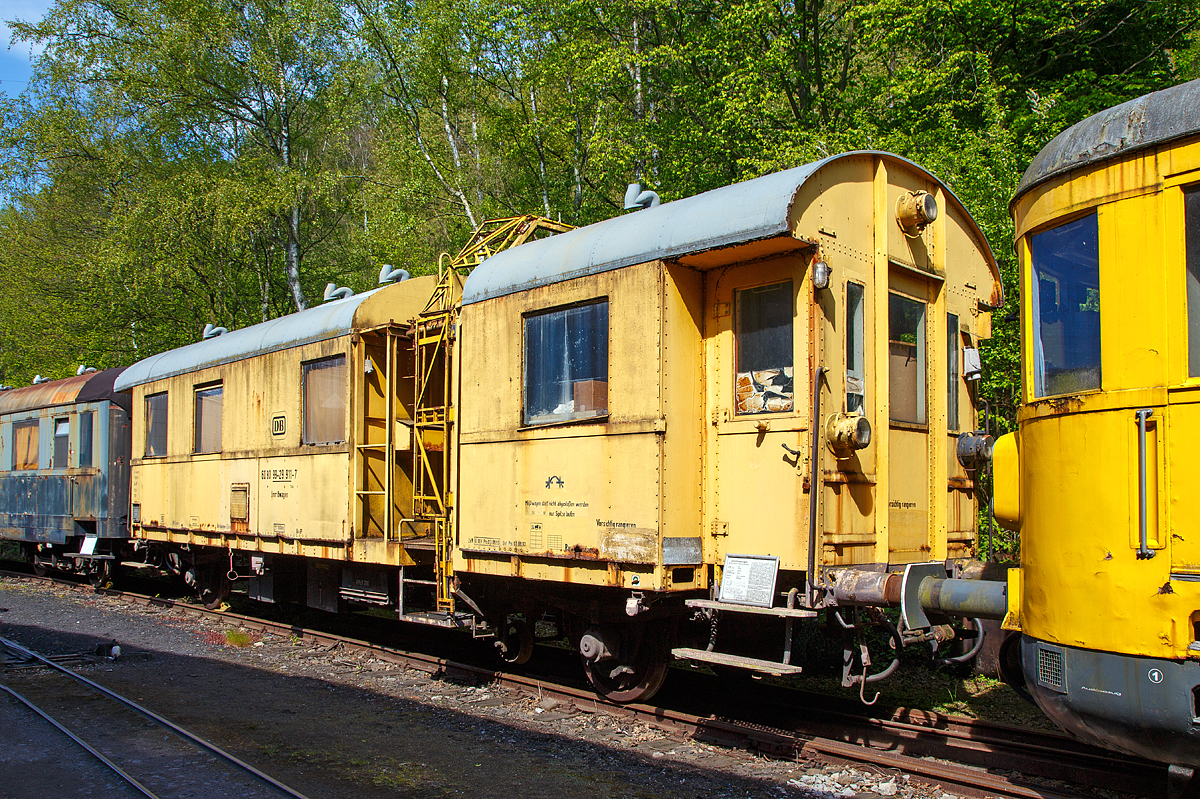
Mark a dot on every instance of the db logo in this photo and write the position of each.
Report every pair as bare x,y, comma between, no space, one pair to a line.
1155,676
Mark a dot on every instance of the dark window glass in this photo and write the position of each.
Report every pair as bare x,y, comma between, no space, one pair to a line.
25,445
906,359
855,349
1066,299
764,343
952,371
156,426
85,438
62,442
325,389
566,364
1191,204
208,419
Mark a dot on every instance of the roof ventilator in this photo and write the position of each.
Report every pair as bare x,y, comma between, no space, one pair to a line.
211,331
636,199
84,369
332,292
387,274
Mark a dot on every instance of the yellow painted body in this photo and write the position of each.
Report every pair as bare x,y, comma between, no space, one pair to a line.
593,501
303,499
1070,483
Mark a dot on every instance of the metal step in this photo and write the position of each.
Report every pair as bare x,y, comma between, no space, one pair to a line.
737,661
785,613
456,621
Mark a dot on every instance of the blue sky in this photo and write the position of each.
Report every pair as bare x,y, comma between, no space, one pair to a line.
14,61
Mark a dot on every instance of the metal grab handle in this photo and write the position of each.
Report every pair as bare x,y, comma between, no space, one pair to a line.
1144,552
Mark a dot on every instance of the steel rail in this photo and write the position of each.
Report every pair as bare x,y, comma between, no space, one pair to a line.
90,749
150,714
767,740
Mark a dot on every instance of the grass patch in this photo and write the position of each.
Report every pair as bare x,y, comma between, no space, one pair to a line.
237,638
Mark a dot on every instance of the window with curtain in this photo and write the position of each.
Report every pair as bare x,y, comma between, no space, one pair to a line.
208,419
156,426
763,344
324,390
566,364
25,445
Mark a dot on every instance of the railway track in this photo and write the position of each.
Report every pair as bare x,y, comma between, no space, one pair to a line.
968,757
118,723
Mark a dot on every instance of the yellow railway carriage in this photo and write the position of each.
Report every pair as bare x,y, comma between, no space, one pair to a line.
1100,478
743,404
650,397
270,440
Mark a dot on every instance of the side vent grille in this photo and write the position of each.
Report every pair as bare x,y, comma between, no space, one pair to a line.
239,507
1051,669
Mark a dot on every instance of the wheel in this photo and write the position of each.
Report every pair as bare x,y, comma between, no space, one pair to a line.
39,566
516,646
625,663
101,576
212,587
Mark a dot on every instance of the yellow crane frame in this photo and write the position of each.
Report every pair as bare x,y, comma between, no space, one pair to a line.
433,341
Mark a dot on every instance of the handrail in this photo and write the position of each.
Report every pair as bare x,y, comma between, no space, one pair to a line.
1144,552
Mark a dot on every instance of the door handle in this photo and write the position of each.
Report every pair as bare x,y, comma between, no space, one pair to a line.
1144,552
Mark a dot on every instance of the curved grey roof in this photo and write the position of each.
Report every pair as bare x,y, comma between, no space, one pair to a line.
744,212
754,209
1152,119
328,320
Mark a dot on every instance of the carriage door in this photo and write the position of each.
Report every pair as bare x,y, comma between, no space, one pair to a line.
909,469
754,345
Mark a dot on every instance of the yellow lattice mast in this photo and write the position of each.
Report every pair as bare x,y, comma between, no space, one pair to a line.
433,411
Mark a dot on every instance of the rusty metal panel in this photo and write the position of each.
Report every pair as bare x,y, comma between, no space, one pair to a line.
90,387
43,395
54,504
1153,119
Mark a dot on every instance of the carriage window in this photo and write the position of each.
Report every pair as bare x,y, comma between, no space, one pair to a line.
62,442
85,438
952,371
763,342
208,419
324,401
566,364
1066,299
855,353
1191,206
906,359
25,445
156,426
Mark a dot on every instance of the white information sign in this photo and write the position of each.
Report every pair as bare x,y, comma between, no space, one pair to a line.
749,580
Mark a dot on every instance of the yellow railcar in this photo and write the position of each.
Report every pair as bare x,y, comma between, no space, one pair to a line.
1100,478
744,403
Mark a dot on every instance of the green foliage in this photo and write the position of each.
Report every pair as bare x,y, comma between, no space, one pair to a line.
176,163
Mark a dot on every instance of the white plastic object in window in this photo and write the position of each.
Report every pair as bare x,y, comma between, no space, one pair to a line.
972,366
